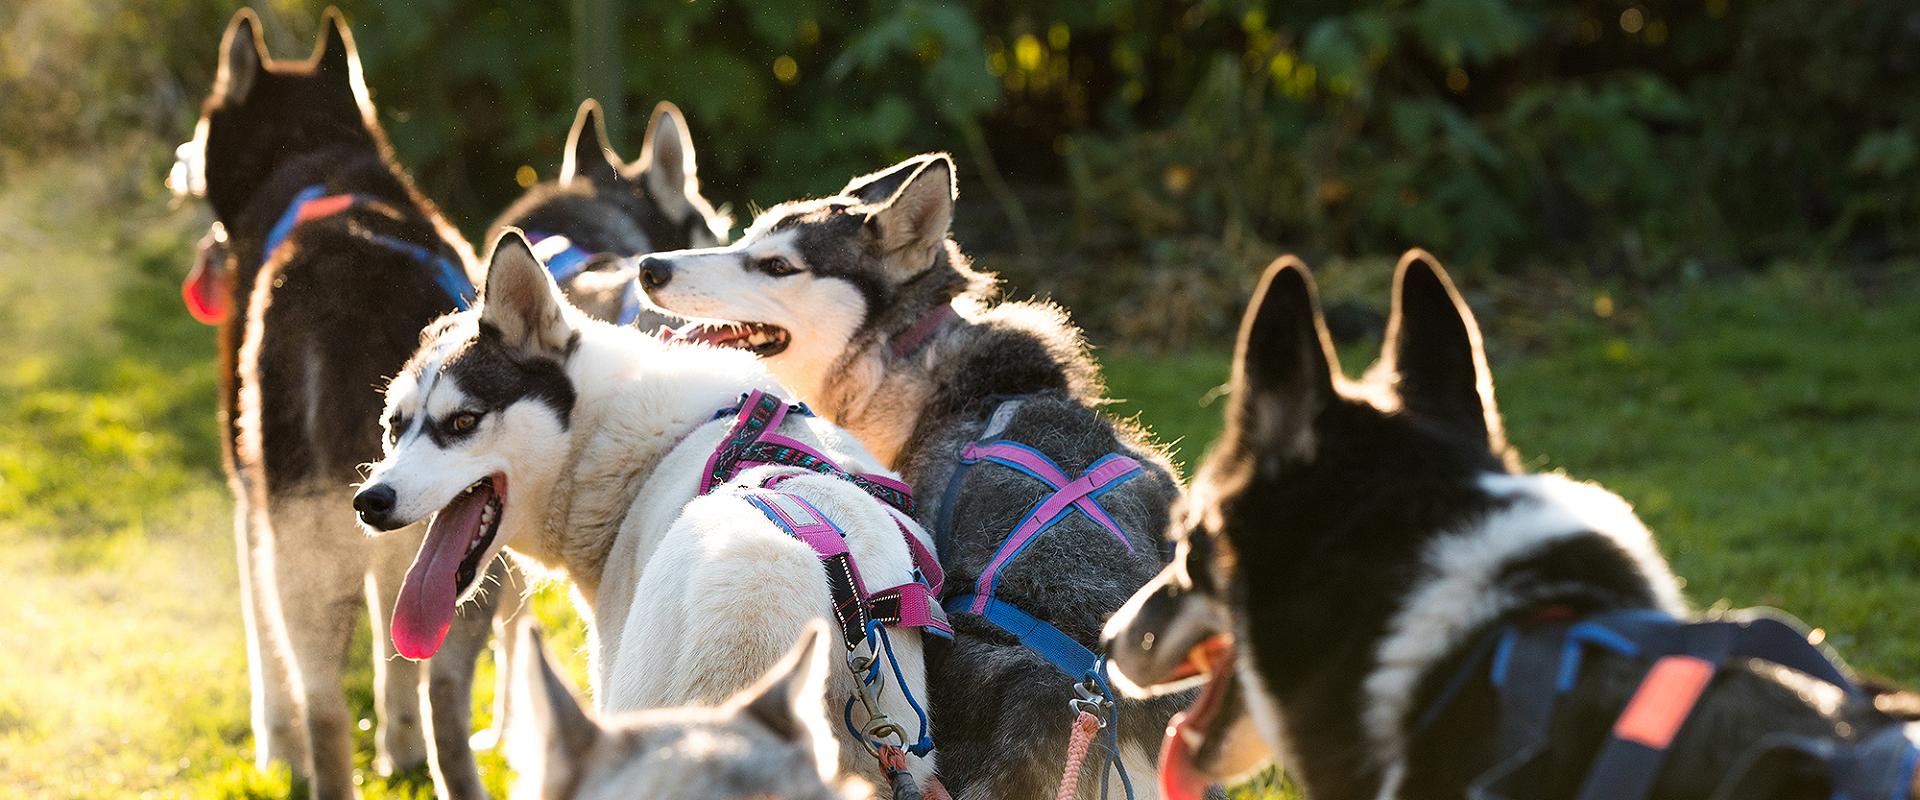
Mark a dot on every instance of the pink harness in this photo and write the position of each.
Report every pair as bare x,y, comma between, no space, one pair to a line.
754,441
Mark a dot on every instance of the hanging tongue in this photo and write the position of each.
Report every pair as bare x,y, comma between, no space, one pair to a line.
1180,779
431,592
207,291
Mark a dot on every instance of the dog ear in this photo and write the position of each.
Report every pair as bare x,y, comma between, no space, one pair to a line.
589,156
667,156
1283,366
791,698
336,59
521,304
911,203
1433,349
243,55
550,732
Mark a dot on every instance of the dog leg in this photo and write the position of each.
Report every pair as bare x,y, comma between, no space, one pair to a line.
278,732
449,691
400,741
508,615
320,561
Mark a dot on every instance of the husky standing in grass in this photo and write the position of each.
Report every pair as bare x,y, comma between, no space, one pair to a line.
331,265
590,447
1376,597
772,741
1044,507
600,212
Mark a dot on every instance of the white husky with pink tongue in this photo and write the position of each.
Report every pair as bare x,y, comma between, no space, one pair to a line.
602,433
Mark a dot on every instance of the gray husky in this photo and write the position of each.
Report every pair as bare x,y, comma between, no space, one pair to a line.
589,223
864,305
771,741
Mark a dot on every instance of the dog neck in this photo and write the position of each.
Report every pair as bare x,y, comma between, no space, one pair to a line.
1462,591
892,397
638,399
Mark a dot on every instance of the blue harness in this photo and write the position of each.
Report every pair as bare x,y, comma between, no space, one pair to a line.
564,260
1069,495
313,203
1532,665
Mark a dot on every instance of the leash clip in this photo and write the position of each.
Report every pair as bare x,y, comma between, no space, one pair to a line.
1091,701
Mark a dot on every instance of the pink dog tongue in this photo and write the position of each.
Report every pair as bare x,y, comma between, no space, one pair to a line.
431,592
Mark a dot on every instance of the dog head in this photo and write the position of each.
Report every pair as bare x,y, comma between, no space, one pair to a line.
1318,487
611,211
263,112
770,742
814,281
476,433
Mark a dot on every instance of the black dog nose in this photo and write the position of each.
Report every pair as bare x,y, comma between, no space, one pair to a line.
376,500
655,272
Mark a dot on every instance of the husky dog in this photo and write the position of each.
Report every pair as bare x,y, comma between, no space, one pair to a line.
581,445
1347,546
317,302
865,306
772,741
600,212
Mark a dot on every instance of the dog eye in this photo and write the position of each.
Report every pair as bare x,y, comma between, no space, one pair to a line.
776,266
463,421
395,425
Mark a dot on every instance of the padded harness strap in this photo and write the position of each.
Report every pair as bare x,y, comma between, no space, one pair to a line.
1068,494
753,442
313,203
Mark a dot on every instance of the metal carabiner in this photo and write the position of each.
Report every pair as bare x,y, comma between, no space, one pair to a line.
1092,702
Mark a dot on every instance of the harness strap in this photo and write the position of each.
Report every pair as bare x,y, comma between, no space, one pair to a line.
910,342
1078,493
753,442
1055,645
563,258
1636,748
313,203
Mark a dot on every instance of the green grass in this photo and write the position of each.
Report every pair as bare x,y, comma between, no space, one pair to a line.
1764,427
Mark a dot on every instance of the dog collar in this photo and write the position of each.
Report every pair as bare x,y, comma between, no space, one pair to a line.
910,342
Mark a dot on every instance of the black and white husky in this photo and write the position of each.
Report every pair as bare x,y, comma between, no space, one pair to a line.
330,266
579,444
588,223
864,305
1352,552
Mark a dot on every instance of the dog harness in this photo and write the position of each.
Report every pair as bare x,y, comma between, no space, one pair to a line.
1532,664
565,259
313,203
863,616
1070,494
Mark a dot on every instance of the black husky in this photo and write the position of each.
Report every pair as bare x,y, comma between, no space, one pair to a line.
331,265
587,224
1375,596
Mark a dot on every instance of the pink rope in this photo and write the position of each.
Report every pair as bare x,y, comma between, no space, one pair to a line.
1084,727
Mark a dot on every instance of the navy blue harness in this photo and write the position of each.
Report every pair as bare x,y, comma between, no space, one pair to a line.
564,260
313,203
1531,665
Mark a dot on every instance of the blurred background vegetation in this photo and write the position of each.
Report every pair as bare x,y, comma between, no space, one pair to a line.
1689,227
1112,140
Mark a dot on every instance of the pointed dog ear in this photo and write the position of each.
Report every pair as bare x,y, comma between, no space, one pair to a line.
791,699
1433,348
667,156
243,55
589,156
521,304
336,59
550,732
1283,366
910,203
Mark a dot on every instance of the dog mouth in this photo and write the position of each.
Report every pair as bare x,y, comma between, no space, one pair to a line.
1195,736
458,541
759,338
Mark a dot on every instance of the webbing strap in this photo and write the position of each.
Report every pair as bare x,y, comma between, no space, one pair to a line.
1637,746
313,203
563,258
1068,495
752,441
1055,645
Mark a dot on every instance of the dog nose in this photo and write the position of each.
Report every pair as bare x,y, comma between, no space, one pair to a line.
375,501
655,272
